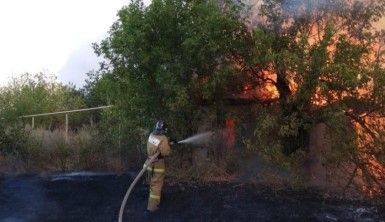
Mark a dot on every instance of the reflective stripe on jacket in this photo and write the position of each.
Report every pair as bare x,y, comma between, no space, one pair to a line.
156,142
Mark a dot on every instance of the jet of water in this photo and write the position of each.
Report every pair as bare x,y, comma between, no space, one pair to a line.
198,139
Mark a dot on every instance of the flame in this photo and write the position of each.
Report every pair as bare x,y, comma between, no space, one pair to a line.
263,91
375,168
266,90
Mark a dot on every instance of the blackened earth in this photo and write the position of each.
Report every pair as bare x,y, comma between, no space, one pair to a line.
97,197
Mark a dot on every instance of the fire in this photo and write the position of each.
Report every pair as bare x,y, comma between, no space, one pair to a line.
262,87
375,168
365,142
263,91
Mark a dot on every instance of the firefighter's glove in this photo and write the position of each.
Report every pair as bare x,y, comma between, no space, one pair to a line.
172,142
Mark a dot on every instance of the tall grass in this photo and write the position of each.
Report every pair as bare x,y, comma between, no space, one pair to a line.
47,150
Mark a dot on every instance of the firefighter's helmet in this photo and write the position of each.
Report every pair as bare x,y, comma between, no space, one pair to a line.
161,126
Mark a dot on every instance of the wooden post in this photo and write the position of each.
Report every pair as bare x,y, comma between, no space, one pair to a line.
33,122
66,136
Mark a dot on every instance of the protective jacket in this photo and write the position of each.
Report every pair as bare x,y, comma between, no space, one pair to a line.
157,169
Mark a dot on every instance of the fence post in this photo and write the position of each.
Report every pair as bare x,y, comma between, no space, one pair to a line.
66,116
66,136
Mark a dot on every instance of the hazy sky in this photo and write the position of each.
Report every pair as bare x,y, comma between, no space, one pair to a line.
54,36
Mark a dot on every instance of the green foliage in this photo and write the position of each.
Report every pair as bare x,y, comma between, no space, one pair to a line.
328,69
168,60
13,140
99,89
180,61
40,93
316,59
34,94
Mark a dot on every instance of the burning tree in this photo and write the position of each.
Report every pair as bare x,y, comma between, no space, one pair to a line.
325,60
312,61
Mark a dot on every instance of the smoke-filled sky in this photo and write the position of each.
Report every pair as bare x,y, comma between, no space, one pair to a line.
53,36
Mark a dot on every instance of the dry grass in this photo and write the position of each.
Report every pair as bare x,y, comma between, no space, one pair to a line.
11,165
50,151
204,172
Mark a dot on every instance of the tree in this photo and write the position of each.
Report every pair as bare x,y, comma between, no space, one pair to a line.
33,94
326,61
170,59
39,93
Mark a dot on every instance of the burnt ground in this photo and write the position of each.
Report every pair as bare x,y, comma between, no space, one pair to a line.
97,197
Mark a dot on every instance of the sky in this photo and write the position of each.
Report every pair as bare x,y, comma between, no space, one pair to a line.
53,36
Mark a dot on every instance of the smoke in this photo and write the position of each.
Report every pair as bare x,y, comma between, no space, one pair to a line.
255,169
299,8
313,4
305,4
293,9
302,9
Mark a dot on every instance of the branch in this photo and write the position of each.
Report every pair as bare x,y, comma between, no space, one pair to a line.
257,74
362,124
251,69
372,177
350,180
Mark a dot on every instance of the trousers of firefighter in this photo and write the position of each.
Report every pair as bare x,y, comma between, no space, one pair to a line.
157,142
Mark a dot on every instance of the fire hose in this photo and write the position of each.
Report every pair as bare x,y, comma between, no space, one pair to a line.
124,202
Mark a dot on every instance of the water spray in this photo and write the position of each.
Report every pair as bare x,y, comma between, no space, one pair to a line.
199,139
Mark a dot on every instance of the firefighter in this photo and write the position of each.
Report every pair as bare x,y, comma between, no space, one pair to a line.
157,141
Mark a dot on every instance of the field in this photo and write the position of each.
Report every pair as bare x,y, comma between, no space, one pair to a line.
97,197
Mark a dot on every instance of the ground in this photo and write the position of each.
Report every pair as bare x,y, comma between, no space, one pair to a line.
97,197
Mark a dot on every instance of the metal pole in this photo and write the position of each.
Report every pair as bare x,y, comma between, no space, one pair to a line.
64,112
66,136
33,122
